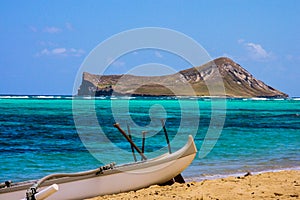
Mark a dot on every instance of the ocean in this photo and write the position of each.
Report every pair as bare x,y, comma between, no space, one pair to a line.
40,135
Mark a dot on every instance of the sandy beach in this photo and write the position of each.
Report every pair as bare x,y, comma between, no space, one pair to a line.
271,185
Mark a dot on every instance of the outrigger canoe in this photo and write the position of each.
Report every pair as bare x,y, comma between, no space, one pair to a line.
109,179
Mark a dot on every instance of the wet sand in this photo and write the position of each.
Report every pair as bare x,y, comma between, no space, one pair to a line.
271,185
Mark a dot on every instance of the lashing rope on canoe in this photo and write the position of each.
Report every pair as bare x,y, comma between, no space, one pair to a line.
33,189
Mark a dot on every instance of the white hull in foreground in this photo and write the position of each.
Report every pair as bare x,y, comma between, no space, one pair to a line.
118,179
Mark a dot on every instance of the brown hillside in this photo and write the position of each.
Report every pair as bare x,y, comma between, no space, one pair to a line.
205,80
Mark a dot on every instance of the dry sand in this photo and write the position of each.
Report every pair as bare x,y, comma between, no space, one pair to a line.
272,185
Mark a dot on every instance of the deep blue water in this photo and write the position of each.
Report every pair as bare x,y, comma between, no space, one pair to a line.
41,135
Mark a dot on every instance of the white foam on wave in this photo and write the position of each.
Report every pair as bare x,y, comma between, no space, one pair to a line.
45,97
14,97
5,97
238,174
128,97
259,99
34,97
100,97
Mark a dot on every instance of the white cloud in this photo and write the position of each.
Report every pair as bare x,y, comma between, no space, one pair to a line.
241,41
290,57
47,43
61,52
33,29
158,54
52,29
45,52
255,51
77,52
69,26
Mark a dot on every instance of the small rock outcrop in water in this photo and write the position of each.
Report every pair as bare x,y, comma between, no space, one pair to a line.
205,80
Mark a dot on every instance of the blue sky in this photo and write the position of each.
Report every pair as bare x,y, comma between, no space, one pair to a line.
43,43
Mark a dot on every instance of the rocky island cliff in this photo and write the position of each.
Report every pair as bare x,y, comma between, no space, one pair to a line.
237,82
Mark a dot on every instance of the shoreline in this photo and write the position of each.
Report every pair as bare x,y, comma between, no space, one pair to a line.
54,96
281,184
219,176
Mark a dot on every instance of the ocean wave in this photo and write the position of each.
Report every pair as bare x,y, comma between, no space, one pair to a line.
35,97
14,97
47,97
259,99
192,177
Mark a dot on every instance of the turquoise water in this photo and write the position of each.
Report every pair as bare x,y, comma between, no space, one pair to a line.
42,135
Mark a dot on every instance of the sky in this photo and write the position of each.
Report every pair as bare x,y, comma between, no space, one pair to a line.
44,43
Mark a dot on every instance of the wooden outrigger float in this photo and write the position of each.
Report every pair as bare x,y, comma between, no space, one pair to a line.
109,179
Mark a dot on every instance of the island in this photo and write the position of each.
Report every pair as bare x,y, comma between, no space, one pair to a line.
219,77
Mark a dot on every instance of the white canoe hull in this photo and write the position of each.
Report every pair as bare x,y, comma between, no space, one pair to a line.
120,179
